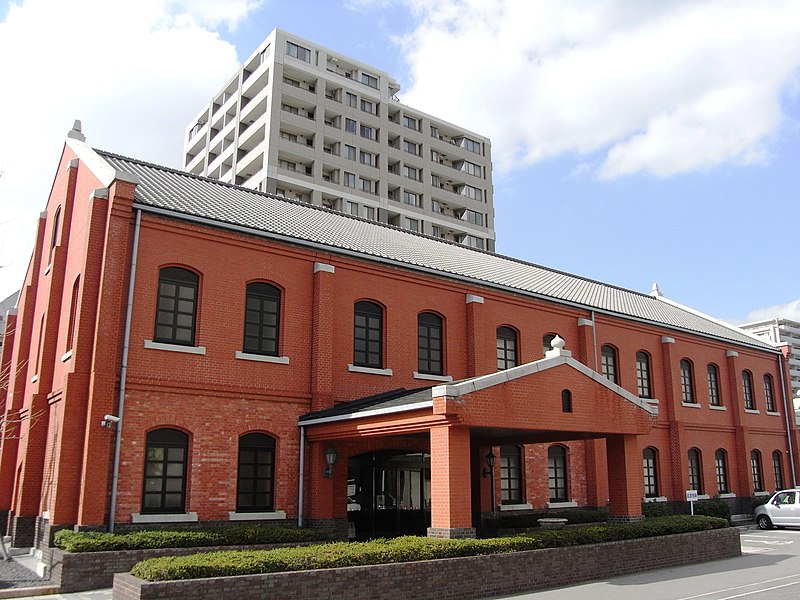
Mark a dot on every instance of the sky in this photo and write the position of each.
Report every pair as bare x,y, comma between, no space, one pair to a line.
633,141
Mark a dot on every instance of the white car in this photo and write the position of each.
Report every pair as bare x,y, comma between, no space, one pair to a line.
782,510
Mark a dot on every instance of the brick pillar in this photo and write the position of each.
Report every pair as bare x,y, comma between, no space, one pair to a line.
742,479
328,495
586,349
625,478
678,461
450,483
322,337
476,339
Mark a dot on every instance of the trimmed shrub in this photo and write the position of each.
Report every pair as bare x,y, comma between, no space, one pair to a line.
658,509
573,517
715,507
245,535
402,549
758,501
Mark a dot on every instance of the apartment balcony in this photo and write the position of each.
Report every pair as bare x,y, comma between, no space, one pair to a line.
197,138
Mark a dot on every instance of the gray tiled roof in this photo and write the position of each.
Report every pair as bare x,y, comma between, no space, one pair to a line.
185,194
394,400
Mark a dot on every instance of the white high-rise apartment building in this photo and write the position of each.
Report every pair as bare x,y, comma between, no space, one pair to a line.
778,331
307,123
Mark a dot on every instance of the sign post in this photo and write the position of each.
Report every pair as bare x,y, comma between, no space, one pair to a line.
691,498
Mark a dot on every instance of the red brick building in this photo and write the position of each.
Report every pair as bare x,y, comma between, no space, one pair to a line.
189,351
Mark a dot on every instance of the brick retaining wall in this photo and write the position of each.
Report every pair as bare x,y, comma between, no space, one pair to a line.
454,578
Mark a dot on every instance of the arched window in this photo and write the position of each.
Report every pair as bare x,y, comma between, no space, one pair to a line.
712,373
777,469
755,470
650,473
547,342
177,306
506,348
262,317
368,335
557,473
256,473
73,313
695,471
769,397
687,382
54,234
566,401
747,390
643,385
429,344
721,468
608,363
511,474
165,471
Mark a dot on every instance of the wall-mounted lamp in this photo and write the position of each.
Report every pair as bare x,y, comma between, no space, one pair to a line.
488,472
330,459
108,421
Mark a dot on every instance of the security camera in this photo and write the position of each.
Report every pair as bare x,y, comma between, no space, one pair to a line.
112,418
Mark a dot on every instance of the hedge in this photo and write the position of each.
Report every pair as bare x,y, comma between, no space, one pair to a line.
90,541
402,549
526,520
714,507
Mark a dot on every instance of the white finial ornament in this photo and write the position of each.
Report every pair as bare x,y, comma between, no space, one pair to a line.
656,291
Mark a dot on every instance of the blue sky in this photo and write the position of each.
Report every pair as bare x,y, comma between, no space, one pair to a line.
634,142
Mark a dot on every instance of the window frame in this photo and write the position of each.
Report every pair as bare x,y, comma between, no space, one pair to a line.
557,474
748,397
644,385
721,471
712,379
769,394
430,331
695,465
263,293
777,469
650,472
170,438
179,277
608,363
507,342
261,443
756,471
687,382
372,315
511,474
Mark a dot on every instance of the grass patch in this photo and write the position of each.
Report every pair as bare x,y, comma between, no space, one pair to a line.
403,549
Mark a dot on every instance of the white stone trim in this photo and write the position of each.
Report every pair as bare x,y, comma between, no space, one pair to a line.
525,506
655,499
585,323
99,194
691,404
751,411
762,493
187,517
474,298
731,353
727,495
703,497
174,347
369,370
570,504
430,377
66,356
274,515
278,360
773,414
324,268
717,407
665,339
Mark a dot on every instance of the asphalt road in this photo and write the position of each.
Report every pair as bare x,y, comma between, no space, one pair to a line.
769,568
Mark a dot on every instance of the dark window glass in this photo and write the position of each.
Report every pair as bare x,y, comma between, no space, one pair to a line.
73,314
777,469
650,475
368,335
54,234
506,348
254,490
721,467
557,473
608,363
713,385
566,401
769,397
643,375
177,306
747,390
755,470
511,474
687,382
695,471
262,319
165,471
429,344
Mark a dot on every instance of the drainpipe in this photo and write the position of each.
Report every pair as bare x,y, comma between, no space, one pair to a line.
301,469
594,342
123,373
788,421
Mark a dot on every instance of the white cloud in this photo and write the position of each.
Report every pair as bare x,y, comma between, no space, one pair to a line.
133,72
662,88
790,310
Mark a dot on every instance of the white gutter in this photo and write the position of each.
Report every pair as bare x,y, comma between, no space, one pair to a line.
788,422
123,373
302,473
369,413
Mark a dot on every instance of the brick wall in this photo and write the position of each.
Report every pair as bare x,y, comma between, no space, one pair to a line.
455,579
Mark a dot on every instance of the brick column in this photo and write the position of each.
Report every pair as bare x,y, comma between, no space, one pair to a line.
322,337
742,478
678,461
451,515
594,450
476,339
625,476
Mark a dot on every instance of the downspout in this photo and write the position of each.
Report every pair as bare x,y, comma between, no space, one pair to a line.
300,485
123,373
594,342
788,421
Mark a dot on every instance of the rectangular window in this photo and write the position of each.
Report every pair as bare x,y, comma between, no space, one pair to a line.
290,109
650,476
368,132
506,348
349,179
261,319
368,335
367,185
721,467
285,135
471,168
472,241
471,192
368,106
687,382
473,217
287,165
367,158
510,475
350,125
411,172
350,152
166,453
290,81
470,145
434,131
769,397
411,147
713,385
695,474
411,198
352,208
298,52
350,99
411,224
747,387
643,375
177,305
608,363
369,213
369,80
411,123
429,342
436,206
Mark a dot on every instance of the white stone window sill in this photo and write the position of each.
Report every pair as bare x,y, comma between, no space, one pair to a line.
655,499
524,506
752,411
649,400
174,347
430,377
370,370
273,515
562,505
691,404
727,495
35,378
703,497
277,360
717,407
188,517
762,493
66,356
773,414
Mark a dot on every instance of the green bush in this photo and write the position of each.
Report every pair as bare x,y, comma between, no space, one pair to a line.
758,501
91,541
716,507
526,520
403,549
658,509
